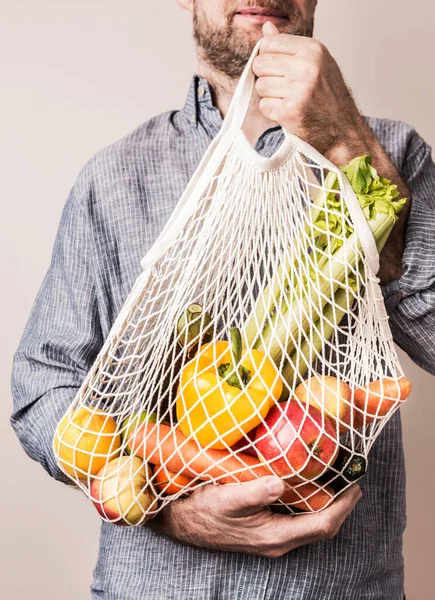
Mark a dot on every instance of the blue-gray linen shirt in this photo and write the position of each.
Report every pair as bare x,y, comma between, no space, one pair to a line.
116,209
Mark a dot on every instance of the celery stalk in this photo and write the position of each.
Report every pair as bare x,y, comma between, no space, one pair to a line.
300,360
267,300
278,319
332,276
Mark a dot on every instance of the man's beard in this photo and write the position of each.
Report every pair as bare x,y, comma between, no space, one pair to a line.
227,49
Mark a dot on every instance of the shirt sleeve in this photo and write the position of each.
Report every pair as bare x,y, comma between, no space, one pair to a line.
60,341
410,301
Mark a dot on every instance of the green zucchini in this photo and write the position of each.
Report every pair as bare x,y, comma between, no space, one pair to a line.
350,467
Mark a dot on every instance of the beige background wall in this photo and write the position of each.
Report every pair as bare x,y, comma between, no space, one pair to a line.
77,75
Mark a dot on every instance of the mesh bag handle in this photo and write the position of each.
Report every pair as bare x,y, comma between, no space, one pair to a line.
231,125
232,128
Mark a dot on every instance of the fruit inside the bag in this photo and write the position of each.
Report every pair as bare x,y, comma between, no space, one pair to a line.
129,427
162,444
308,497
295,437
329,395
296,440
234,421
121,492
85,440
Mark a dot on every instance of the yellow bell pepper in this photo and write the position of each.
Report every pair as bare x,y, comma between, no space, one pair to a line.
224,393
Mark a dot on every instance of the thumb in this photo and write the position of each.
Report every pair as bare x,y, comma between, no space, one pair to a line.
243,499
270,29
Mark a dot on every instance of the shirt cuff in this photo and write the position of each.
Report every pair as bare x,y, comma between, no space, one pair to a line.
392,295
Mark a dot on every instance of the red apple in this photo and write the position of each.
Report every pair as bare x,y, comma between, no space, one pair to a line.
120,491
296,440
331,396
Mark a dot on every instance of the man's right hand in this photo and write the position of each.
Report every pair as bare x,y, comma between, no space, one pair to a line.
233,518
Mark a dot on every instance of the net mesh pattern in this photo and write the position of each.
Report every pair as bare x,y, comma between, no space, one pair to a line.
274,253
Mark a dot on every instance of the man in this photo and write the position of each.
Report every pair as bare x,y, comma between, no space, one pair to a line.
221,542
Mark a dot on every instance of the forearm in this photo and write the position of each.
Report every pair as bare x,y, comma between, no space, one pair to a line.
60,342
44,384
35,425
360,141
412,323
410,299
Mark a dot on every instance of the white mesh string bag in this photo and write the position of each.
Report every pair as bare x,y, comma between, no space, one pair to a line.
254,342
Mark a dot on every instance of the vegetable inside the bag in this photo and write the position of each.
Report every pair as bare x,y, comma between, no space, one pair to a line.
313,295
224,393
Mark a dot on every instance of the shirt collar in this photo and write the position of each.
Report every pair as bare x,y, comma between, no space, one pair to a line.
200,110
199,107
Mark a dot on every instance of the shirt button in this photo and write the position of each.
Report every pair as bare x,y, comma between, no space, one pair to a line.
193,119
201,91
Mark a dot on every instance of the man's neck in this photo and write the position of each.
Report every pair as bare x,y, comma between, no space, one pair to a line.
223,88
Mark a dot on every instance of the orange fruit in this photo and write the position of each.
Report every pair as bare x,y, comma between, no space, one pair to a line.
85,440
168,482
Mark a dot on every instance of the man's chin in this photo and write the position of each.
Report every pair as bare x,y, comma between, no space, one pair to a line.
247,34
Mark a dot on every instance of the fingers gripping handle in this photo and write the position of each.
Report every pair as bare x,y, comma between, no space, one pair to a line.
234,122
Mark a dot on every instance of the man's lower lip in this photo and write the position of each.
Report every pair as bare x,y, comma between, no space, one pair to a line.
260,19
